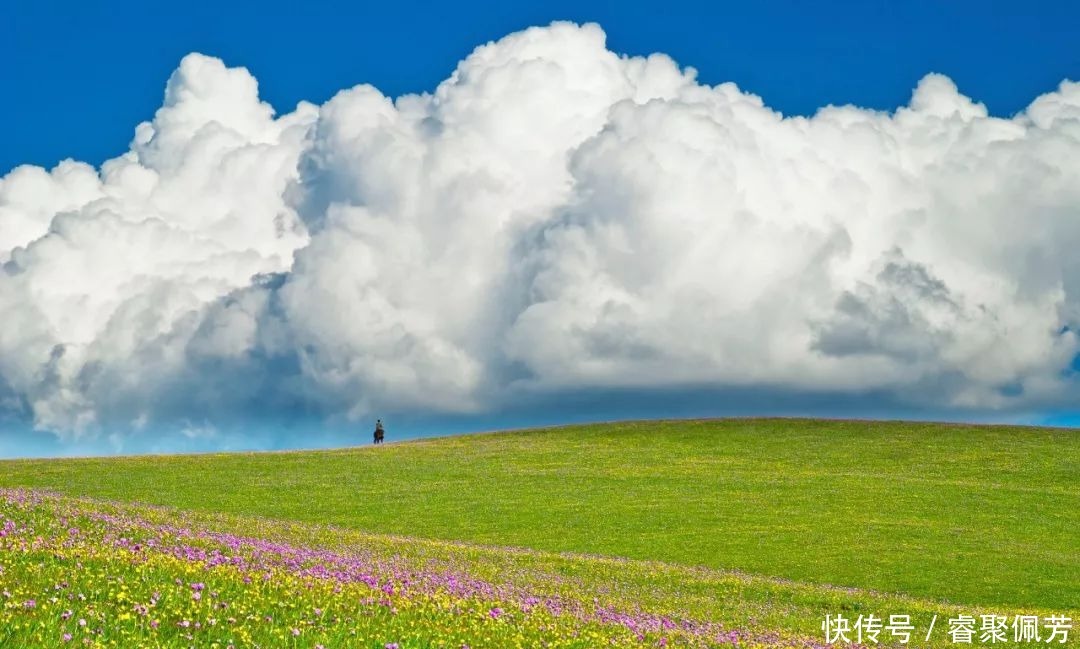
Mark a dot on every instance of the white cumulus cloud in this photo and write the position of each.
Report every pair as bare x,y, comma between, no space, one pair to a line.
552,217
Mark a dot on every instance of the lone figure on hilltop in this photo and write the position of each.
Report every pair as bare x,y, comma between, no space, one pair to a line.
379,432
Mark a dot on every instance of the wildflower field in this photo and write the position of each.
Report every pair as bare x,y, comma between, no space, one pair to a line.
99,574
301,549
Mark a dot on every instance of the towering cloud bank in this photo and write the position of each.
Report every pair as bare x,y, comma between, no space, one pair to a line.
553,216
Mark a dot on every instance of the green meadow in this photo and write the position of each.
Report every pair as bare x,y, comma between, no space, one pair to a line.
974,516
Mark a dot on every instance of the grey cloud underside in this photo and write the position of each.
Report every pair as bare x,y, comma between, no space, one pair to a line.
552,218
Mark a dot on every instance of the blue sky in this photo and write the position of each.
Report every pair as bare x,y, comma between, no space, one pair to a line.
80,75
139,327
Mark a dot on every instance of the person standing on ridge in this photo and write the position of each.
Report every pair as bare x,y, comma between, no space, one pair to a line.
379,432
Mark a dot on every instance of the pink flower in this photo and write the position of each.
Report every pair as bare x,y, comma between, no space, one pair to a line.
66,637
295,632
495,613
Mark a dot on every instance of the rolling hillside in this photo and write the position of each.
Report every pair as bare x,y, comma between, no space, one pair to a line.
972,515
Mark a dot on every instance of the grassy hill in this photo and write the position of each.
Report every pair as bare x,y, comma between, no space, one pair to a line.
975,515
140,575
